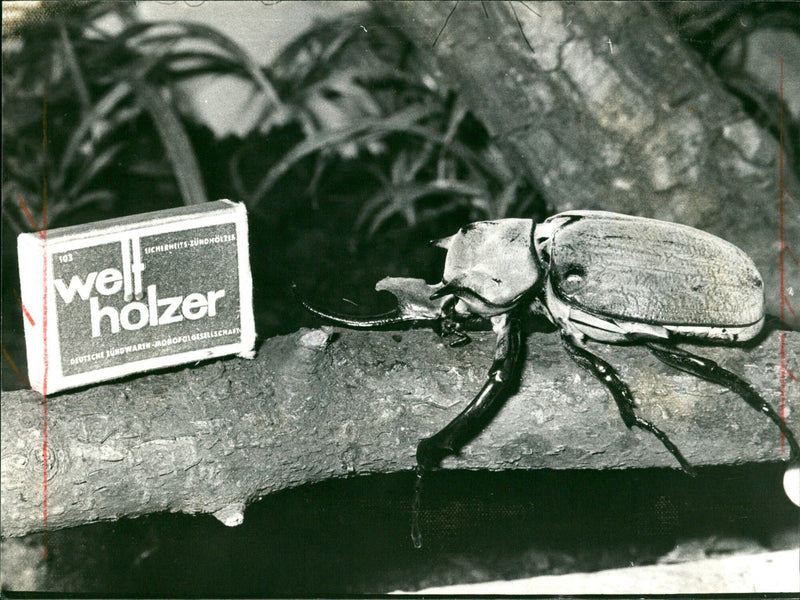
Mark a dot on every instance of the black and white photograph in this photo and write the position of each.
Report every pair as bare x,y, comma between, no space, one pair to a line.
380,297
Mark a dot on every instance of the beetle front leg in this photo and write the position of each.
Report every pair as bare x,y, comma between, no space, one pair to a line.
449,325
707,369
473,418
622,396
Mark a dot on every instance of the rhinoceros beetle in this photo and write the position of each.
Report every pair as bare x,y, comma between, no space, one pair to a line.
595,275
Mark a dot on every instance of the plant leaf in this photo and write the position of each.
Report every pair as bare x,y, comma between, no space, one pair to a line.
402,120
401,199
205,32
176,143
99,113
99,162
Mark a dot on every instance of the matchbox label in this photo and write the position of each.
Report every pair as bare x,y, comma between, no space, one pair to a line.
129,295
145,297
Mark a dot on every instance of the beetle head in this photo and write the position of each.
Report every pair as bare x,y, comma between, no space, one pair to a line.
490,266
415,302
416,299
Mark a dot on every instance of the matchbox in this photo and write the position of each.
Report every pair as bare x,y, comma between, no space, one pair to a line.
133,294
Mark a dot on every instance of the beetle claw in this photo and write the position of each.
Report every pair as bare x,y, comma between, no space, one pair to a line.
622,396
707,369
429,454
449,326
462,339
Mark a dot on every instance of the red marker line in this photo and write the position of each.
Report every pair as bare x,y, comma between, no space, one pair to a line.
785,300
791,254
44,395
781,191
43,235
44,398
24,310
27,314
783,383
26,211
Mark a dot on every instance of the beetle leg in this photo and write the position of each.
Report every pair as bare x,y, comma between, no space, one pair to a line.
622,396
448,325
473,418
707,369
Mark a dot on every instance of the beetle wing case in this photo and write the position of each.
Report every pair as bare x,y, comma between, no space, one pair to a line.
638,270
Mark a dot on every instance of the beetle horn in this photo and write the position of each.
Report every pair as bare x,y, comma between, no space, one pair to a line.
443,242
413,304
445,290
366,322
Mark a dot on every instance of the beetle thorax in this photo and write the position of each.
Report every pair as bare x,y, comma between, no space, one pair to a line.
490,265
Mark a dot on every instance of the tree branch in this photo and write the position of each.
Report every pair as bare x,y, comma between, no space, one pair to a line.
319,404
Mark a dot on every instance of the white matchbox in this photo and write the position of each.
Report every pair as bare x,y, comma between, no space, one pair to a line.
129,295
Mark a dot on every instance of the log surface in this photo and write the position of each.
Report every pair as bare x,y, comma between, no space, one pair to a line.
326,403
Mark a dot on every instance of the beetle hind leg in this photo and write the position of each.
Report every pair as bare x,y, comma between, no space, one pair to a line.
707,369
622,396
455,434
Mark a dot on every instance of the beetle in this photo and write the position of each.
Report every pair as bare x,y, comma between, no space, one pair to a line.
595,275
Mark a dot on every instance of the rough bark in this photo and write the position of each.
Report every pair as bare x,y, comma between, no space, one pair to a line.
607,109
320,404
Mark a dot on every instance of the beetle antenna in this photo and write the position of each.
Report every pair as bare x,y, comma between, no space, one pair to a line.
390,317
